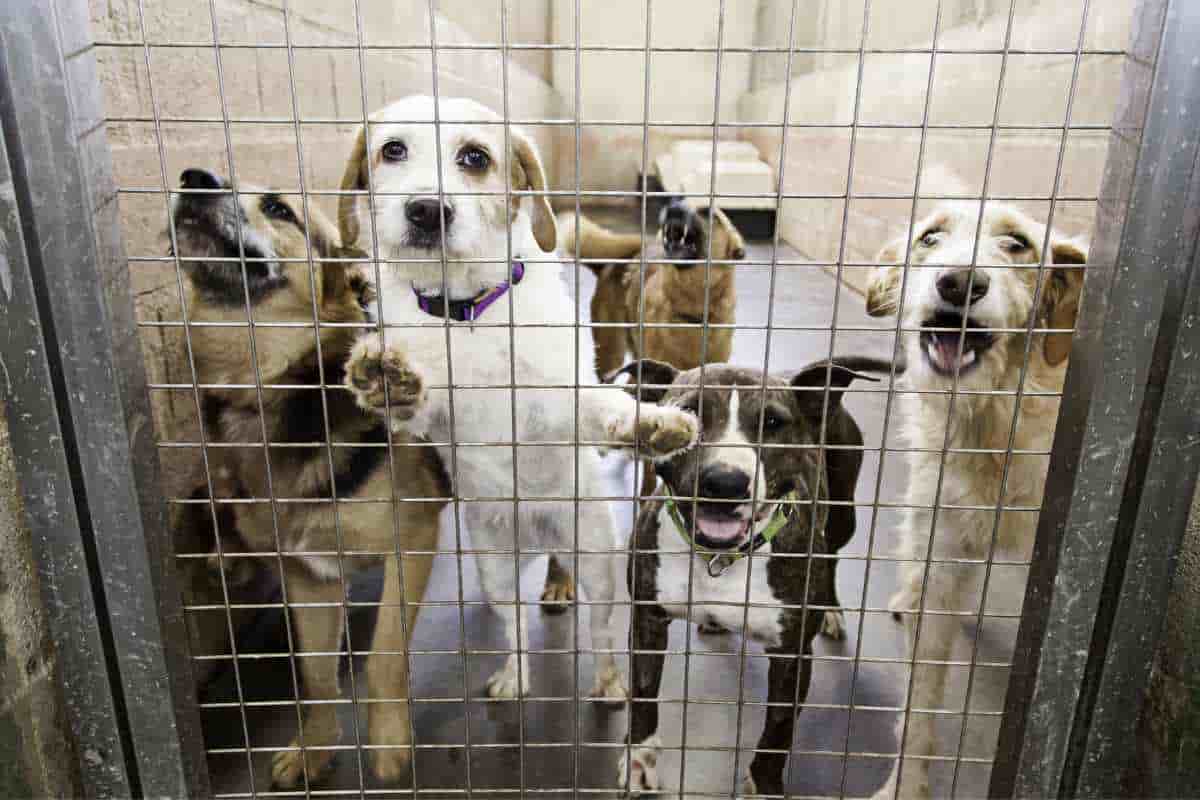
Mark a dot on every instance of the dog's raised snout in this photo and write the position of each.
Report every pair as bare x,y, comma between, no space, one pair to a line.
199,179
724,483
952,286
426,213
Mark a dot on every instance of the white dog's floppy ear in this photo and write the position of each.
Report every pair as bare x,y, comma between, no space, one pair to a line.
883,284
1061,294
527,173
354,179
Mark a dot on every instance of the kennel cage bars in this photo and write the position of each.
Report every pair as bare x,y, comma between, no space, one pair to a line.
78,413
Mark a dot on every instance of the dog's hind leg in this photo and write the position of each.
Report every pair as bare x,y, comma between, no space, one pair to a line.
491,529
945,590
317,630
559,591
787,684
597,532
637,769
387,666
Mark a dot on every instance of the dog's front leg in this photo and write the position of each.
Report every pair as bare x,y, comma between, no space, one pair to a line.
612,416
787,686
638,767
387,666
383,379
317,630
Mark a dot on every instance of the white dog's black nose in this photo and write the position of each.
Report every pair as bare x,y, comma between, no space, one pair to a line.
723,483
199,179
952,286
426,213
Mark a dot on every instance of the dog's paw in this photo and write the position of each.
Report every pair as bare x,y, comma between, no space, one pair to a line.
834,625
391,766
382,380
506,684
914,786
637,771
609,686
658,433
559,591
288,766
749,787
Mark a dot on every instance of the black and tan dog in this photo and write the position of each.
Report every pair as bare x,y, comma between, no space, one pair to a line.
319,443
674,292
770,509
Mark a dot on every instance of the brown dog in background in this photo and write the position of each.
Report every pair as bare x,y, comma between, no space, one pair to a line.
674,293
319,440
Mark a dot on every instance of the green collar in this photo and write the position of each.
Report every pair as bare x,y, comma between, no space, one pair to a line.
721,560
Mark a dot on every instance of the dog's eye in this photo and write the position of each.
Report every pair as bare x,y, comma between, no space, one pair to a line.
931,238
395,151
275,208
1015,243
473,158
773,421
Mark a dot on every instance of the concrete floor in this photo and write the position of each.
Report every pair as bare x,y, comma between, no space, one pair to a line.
804,296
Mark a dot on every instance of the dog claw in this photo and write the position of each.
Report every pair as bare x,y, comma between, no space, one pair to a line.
382,381
288,766
504,683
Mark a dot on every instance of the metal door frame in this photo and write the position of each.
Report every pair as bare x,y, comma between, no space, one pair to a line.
1117,498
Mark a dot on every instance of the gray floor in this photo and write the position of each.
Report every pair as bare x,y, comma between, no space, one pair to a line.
804,296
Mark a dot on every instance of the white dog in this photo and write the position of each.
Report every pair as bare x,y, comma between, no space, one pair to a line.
939,292
405,162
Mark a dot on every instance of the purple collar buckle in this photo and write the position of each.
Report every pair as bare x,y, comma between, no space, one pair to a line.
435,305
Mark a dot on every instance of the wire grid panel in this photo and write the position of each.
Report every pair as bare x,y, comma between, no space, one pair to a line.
884,126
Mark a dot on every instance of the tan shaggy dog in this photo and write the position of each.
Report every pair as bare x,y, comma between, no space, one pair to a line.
938,298
674,292
351,453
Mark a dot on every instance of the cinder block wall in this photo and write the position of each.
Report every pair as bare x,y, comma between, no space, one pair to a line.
268,148
963,92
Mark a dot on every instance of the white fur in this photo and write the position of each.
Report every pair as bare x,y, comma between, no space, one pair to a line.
721,600
482,357
978,421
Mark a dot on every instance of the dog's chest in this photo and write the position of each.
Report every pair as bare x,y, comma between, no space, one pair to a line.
723,599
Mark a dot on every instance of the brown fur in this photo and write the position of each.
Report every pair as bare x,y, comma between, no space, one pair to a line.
223,355
673,295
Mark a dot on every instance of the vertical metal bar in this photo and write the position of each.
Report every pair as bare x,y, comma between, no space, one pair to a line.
98,530
1121,480
197,403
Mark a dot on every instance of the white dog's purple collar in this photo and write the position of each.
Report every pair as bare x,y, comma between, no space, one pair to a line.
467,310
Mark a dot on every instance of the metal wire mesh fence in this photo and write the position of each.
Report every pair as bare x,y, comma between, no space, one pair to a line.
934,174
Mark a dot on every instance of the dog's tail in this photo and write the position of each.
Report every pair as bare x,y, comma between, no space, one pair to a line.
870,364
594,241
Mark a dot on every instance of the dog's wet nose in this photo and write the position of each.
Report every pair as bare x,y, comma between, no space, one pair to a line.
199,179
426,213
724,483
952,286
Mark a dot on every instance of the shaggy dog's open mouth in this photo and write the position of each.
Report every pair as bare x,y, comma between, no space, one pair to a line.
941,347
682,241
723,526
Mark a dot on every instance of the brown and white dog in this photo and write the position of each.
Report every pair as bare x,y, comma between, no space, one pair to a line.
675,288
968,328
476,314
773,506
346,452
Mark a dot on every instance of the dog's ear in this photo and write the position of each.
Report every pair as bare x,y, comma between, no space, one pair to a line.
527,173
1061,293
354,179
883,284
656,377
339,276
810,383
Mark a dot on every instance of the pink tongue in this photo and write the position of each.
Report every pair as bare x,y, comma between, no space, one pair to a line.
947,352
720,530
